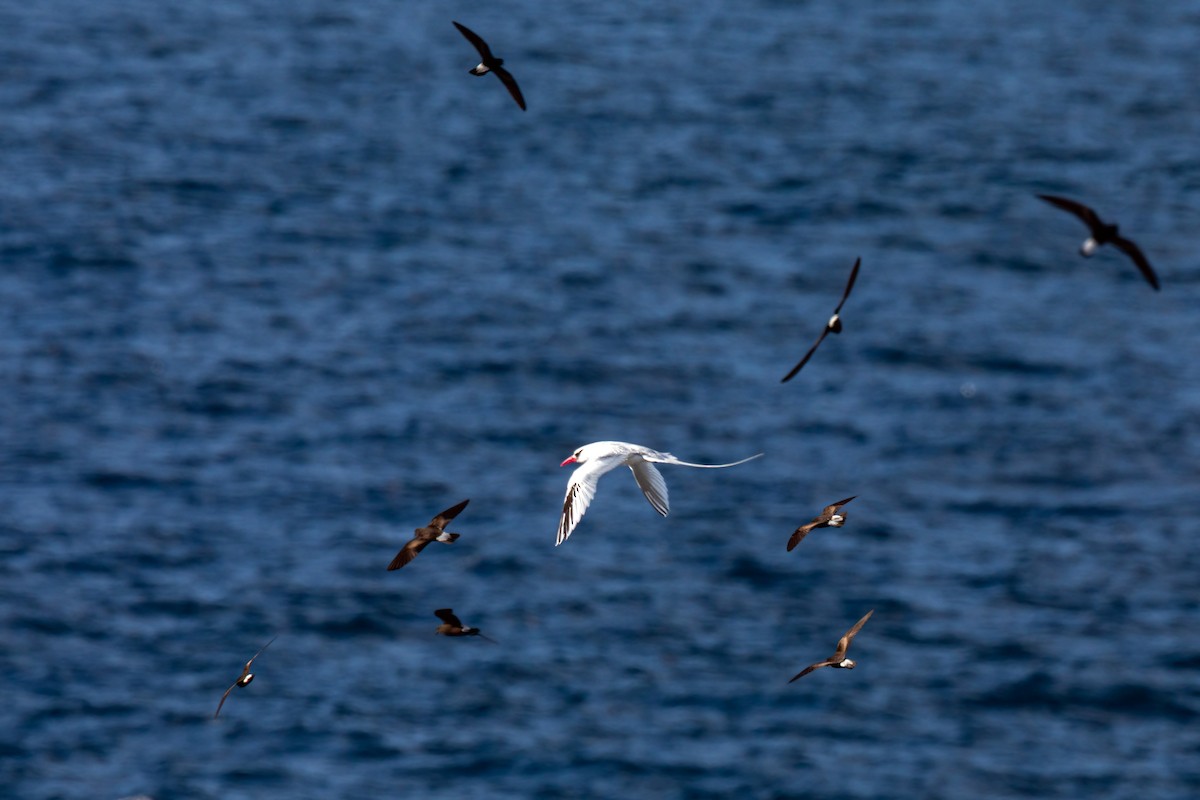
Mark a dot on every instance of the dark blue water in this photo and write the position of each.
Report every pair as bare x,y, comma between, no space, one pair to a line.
281,281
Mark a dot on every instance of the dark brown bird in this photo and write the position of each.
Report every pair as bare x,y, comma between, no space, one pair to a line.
491,64
435,531
838,659
1101,234
833,326
829,518
245,679
452,626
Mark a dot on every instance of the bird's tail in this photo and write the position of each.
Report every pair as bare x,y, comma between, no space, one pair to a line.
670,459
448,537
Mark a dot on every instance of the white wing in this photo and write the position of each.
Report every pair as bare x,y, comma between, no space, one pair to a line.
667,458
580,491
652,484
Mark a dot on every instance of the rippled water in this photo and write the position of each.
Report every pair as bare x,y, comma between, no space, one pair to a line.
282,281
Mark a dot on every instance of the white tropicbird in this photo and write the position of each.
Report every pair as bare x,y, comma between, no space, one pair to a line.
597,458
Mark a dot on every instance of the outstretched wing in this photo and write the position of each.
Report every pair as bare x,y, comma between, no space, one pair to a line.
807,356
581,488
510,83
447,615
443,519
408,553
844,643
651,482
832,508
1078,209
259,653
1133,251
849,285
485,52
807,670
227,691
800,533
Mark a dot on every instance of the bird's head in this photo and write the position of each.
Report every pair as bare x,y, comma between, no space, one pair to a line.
580,456
595,451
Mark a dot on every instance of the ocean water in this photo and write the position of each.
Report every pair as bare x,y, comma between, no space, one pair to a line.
282,281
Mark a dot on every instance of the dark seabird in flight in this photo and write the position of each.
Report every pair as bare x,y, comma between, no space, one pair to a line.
838,659
247,676
829,518
491,64
452,626
1102,233
833,326
434,532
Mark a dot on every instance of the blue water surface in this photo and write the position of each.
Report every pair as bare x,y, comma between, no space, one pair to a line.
280,281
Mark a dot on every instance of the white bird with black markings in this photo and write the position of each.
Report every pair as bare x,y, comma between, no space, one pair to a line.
597,458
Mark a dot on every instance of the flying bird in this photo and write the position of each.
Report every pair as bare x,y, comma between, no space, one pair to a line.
452,626
597,458
435,531
829,518
1102,233
245,679
491,64
838,659
833,326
